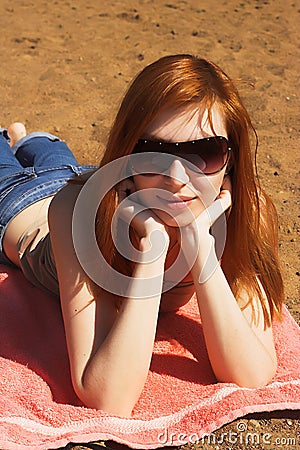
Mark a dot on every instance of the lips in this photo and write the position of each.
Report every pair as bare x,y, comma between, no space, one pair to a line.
183,199
176,198
176,202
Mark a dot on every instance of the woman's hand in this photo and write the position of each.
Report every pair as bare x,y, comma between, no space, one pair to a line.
241,350
146,225
208,217
197,240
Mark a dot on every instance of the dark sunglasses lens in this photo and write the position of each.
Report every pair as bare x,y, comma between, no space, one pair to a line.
211,155
151,163
204,155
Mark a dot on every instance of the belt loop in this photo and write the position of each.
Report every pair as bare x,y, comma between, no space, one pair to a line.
76,169
30,171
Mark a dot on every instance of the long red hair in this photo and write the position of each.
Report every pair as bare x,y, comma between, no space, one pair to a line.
250,256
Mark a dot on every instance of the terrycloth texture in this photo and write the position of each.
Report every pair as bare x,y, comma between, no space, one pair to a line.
181,399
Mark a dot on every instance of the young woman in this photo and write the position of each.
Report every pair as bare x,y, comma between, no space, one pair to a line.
185,139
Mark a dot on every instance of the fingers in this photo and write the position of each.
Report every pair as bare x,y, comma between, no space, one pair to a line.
128,209
223,201
219,206
227,185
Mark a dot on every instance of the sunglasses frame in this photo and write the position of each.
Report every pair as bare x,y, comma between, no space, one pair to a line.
165,147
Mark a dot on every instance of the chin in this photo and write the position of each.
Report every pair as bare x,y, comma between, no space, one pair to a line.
178,221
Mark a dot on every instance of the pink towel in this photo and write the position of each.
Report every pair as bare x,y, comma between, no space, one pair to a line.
181,401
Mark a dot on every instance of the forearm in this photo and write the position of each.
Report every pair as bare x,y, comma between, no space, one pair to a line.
119,368
235,351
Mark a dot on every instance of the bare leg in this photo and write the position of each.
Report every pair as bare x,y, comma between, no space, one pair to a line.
16,131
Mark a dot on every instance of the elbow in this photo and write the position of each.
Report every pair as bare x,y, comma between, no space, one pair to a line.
252,379
262,377
256,381
96,398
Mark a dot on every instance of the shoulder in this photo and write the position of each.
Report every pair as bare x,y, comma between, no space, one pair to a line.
63,202
71,275
60,227
60,219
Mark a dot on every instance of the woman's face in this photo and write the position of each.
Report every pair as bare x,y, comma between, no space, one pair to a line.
179,195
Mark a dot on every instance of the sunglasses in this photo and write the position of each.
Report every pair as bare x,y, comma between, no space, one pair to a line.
207,156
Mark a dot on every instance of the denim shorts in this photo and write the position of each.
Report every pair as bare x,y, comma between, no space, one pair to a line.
36,167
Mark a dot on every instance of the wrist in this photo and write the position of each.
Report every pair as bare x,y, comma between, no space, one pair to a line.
194,244
206,263
153,249
147,277
200,254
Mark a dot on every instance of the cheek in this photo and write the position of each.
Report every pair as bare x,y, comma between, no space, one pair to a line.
145,189
145,182
207,188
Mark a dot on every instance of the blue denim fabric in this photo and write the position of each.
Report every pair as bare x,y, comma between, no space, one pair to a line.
36,167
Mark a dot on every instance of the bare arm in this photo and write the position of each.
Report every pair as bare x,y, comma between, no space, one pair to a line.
109,352
240,350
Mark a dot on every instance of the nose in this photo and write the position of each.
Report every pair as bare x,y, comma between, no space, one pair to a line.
176,174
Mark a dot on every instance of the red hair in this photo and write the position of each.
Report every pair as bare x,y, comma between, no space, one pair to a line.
250,256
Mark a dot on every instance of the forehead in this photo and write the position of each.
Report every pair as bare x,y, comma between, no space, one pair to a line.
186,124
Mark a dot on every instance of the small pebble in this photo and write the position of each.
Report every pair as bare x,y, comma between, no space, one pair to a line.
255,423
